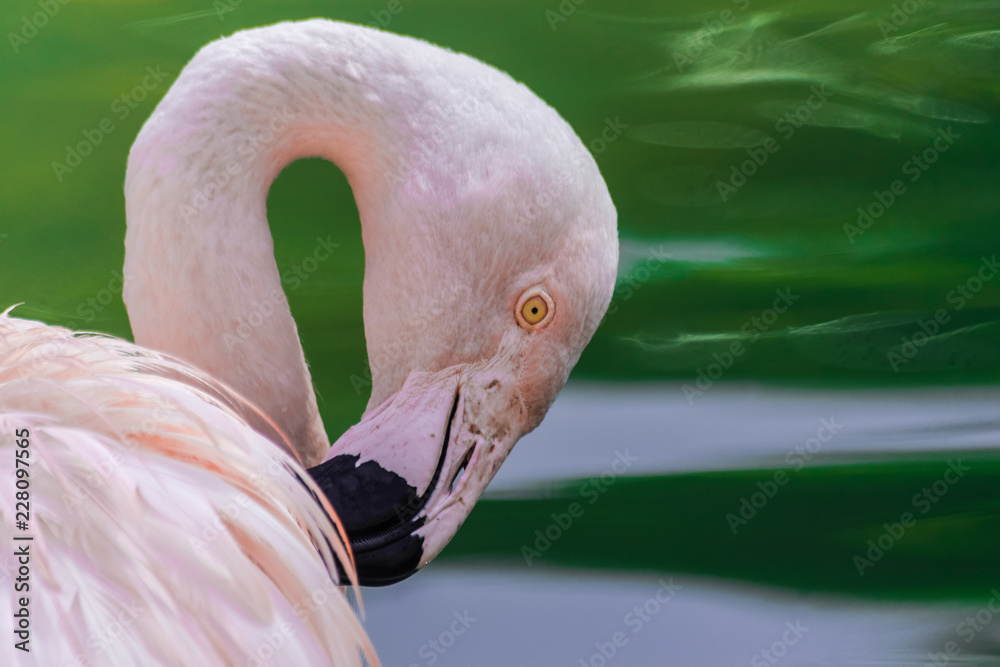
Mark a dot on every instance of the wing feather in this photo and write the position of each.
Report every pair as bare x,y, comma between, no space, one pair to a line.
166,530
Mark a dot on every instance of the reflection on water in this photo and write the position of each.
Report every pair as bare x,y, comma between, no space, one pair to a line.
735,47
743,426
651,569
880,124
548,617
697,134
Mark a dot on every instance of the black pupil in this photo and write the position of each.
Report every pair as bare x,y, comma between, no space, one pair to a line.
534,310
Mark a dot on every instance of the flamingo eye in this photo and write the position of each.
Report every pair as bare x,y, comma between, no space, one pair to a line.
534,309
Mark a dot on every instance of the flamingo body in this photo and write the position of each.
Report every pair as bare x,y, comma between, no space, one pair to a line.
166,531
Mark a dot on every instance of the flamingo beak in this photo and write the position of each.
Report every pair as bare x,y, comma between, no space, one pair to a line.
382,474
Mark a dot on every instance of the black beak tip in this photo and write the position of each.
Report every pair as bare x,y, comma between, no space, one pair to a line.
391,564
379,511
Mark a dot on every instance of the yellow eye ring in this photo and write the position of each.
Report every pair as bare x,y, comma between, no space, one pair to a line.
534,309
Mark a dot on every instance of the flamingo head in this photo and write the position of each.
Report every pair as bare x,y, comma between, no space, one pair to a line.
490,257
501,265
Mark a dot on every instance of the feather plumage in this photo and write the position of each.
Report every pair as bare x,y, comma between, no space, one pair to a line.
166,530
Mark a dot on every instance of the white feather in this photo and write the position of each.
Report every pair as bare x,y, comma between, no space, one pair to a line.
166,530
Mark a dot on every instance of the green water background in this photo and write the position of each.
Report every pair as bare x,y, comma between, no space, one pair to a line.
698,89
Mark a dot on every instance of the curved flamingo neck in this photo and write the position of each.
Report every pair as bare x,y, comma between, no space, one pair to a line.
201,281
450,162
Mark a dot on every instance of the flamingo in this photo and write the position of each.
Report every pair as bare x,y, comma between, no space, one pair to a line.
186,505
